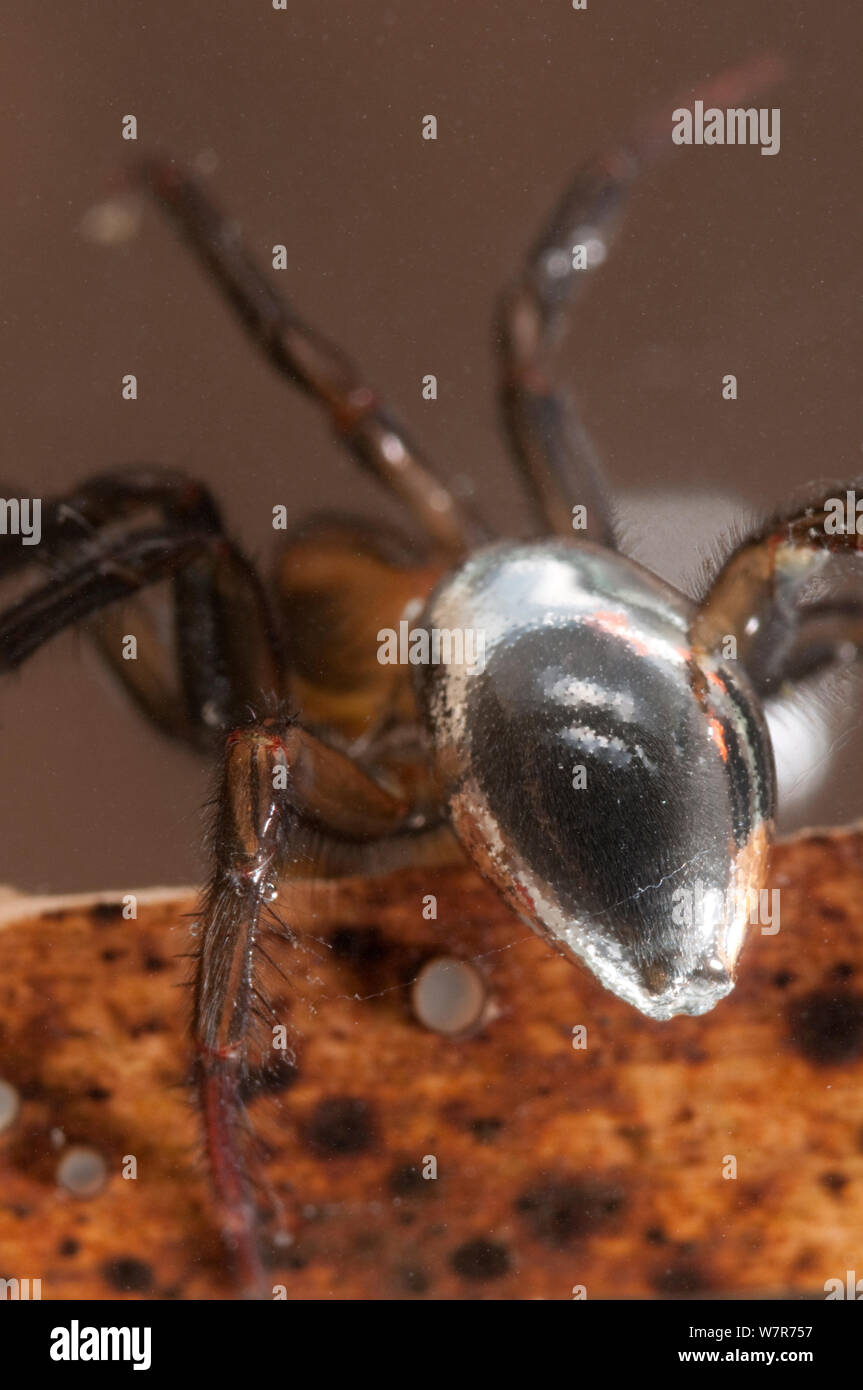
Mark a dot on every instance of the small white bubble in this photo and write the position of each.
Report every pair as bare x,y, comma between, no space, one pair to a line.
9,1104
82,1171
448,995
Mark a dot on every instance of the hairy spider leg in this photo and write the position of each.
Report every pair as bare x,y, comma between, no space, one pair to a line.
552,448
226,651
769,594
288,805
308,360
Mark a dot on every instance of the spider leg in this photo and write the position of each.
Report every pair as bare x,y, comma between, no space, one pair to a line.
112,496
308,360
225,651
288,803
790,595
552,447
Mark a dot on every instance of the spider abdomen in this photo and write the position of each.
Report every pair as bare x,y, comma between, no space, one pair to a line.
614,784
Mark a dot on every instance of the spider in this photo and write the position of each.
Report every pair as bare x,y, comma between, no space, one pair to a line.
604,748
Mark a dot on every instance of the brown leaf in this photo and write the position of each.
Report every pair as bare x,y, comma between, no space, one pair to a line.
556,1166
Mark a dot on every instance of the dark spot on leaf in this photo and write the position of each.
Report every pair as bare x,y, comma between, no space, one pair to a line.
560,1210
148,1026
340,1125
106,913
414,1279
295,1258
681,1278
407,1181
277,1076
110,955
97,1093
783,978
831,913
478,1260
31,1089
654,1235
827,1026
359,946
807,1259
154,964
486,1128
128,1275
834,1182
68,1247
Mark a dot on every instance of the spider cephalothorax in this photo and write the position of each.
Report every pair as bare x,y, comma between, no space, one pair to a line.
597,746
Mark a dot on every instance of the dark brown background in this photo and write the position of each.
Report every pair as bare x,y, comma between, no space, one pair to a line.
731,262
